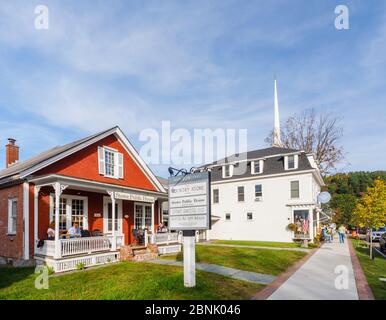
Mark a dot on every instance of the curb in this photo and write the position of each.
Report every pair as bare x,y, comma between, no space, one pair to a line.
272,287
363,288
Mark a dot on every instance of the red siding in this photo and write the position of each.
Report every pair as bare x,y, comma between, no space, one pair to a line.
84,164
11,246
95,205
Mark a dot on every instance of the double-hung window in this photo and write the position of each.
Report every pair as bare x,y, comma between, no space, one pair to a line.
216,196
257,166
110,162
291,162
12,216
227,171
240,193
258,190
295,189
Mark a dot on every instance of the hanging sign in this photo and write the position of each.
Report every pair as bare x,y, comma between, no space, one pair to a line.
133,197
189,202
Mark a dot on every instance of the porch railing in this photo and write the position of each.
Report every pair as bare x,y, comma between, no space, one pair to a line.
167,237
84,245
76,246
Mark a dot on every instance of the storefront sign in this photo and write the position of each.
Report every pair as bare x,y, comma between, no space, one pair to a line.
189,202
133,197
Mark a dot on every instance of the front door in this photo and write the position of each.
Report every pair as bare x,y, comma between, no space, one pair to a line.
108,216
143,216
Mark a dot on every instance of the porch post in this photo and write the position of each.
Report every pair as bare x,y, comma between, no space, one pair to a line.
114,238
36,214
59,188
152,217
311,224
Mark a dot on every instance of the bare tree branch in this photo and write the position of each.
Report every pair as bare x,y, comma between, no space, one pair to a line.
319,134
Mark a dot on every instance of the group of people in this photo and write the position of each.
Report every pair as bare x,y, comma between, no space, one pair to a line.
74,231
328,233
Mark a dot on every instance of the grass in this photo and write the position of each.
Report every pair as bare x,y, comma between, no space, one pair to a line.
256,260
123,281
373,269
263,243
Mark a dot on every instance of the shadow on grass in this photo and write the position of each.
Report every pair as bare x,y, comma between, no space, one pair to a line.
11,275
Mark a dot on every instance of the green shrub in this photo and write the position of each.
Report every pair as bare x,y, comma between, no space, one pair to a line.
80,266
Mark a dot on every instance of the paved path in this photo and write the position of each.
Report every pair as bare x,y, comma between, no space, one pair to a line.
315,280
224,271
251,247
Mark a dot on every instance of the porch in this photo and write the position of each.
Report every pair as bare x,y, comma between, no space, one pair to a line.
109,217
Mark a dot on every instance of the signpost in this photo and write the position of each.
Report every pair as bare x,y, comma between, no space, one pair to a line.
189,210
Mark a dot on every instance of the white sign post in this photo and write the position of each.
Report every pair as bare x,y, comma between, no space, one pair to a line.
189,210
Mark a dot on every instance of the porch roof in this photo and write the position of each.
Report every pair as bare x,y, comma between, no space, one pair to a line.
93,186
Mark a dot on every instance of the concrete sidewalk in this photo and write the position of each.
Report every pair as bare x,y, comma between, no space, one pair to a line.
317,278
224,271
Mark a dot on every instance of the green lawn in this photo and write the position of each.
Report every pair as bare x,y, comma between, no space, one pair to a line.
263,243
256,260
124,280
373,269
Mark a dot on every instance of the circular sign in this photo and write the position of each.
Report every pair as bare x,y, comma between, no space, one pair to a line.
324,197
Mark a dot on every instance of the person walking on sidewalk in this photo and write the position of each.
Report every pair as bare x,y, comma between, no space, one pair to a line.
342,233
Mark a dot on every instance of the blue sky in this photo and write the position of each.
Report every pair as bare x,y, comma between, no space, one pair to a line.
199,64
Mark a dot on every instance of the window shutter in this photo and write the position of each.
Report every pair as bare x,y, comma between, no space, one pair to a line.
120,165
101,160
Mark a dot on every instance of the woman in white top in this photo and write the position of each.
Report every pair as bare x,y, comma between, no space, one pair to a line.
51,231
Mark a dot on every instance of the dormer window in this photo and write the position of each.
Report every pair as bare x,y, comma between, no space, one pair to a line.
110,163
291,162
227,171
257,166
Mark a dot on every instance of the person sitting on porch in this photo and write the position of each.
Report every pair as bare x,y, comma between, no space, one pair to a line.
51,231
74,231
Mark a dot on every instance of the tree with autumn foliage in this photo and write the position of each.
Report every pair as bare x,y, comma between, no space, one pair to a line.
370,211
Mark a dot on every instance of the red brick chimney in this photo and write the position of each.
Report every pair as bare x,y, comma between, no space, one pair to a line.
12,152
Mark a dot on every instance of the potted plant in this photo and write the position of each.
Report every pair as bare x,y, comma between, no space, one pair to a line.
291,227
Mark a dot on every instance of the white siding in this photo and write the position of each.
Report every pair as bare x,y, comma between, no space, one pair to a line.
270,216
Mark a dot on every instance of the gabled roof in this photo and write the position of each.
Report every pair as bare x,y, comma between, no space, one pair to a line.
26,164
23,169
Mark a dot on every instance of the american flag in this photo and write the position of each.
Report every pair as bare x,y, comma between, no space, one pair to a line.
305,225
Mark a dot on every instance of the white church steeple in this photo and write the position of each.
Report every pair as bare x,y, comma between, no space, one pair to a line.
276,141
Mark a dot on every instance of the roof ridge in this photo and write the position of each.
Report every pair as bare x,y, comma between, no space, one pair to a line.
22,165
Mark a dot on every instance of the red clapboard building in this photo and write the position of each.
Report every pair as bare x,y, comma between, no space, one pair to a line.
99,183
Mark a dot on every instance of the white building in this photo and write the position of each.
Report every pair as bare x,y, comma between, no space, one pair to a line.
258,196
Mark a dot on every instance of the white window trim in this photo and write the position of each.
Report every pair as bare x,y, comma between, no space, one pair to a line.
117,166
261,191
143,205
9,229
230,171
293,198
70,197
218,191
238,193
118,215
261,164
296,162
